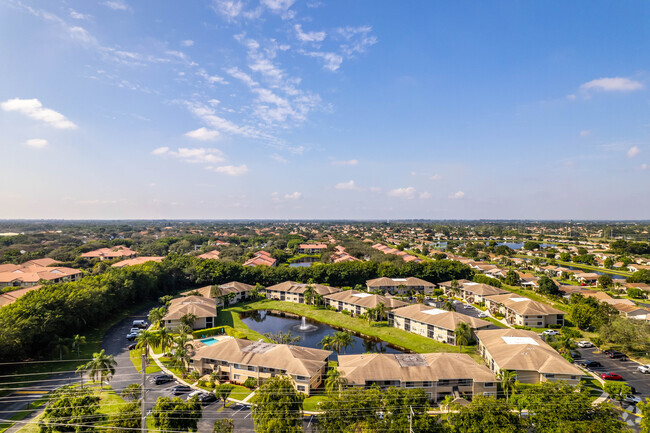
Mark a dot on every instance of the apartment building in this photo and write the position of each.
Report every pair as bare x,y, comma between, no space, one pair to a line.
433,323
312,248
240,292
236,360
438,374
522,311
35,272
261,258
292,291
400,286
117,252
358,303
203,308
471,292
136,261
525,353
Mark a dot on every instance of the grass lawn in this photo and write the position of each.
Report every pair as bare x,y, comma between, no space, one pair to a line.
595,388
70,361
136,360
239,392
595,268
230,317
311,403
394,336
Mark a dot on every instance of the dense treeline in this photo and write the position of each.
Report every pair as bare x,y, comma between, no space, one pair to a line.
30,325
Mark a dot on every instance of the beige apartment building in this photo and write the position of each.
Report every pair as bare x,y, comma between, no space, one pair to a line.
525,353
241,292
236,360
522,311
400,286
472,292
291,291
205,310
433,323
438,374
358,303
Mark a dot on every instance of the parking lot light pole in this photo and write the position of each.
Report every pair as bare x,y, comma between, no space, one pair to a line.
143,427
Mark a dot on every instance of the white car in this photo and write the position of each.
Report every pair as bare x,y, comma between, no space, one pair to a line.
585,343
468,306
483,315
194,393
550,332
644,368
631,399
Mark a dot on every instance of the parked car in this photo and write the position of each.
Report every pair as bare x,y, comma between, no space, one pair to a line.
575,354
131,346
590,364
140,324
163,378
194,394
550,332
466,306
135,330
207,397
131,336
180,389
585,343
644,368
483,315
611,376
617,355
631,399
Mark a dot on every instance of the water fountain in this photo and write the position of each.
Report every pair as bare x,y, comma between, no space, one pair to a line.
304,326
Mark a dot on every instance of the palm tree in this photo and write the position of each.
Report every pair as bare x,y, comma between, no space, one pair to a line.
341,340
446,402
309,294
334,381
455,287
156,315
77,341
463,334
326,342
165,339
507,379
380,311
370,314
81,370
102,366
145,340
448,305
188,320
61,345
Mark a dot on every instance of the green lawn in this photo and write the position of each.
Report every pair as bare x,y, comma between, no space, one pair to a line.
136,359
394,336
311,403
239,392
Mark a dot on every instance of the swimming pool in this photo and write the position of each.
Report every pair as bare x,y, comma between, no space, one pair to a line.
209,341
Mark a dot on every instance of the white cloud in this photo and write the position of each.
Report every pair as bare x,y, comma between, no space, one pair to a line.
187,43
37,143
231,170
78,15
207,115
408,192
229,8
200,155
210,78
457,195
436,177
278,158
585,133
309,36
616,84
293,196
117,5
358,39
634,151
278,5
349,185
425,195
34,109
332,61
346,162
81,35
203,134
644,166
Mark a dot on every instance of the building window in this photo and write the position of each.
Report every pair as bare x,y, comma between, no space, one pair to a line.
301,388
489,384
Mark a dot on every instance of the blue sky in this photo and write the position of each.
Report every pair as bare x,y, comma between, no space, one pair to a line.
324,109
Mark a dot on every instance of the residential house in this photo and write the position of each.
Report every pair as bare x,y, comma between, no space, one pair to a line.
291,291
117,252
340,255
203,308
261,258
35,272
400,286
472,292
525,353
358,303
522,311
236,360
11,297
438,374
635,267
586,277
433,323
136,261
210,255
632,311
528,280
234,291
312,248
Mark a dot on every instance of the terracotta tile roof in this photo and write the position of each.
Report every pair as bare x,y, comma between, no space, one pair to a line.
262,258
110,253
136,261
395,282
214,255
11,297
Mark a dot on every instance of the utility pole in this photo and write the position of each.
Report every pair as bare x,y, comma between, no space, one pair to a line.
143,393
410,419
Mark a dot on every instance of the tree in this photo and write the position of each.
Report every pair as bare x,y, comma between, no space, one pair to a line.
61,345
605,281
132,392
102,366
486,414
448,305
581,315
641,276
77,341
326,342
341,341
635,293
165,339
354,410
156,315
223,391
145,340
69,409
508,382
608,263
174,414
617,390
531,245
446,402
547,286
282,338
380,311
223,426
565,257
463,335
512,278
277,407
309,294
644,407
188,320
334,381
127,417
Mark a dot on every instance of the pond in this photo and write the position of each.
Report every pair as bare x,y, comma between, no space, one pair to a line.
273,321
614,276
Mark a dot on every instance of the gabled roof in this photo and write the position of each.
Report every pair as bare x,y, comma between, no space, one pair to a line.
136,261
436,317
214,255
231,287
197,305
296,360
300,288
110,253
517,349
371,367
365,300
262,258
396,282
524,306
11,297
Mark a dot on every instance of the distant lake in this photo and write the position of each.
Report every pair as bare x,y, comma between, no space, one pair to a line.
520,245
614,276
273,321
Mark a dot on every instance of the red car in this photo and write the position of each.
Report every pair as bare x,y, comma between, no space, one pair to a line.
611,376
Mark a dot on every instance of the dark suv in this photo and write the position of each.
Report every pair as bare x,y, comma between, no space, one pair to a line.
163,378
590,364
180,389
617,355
